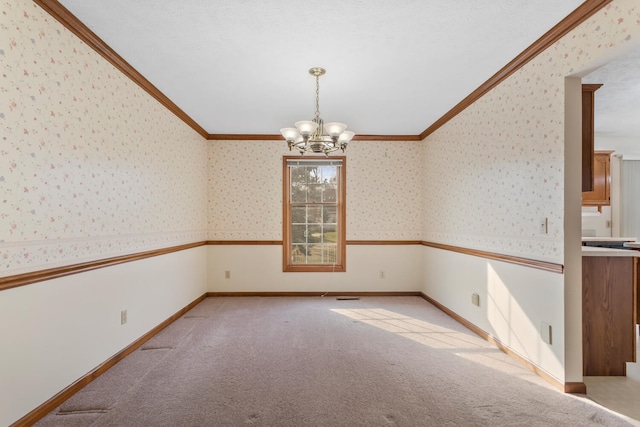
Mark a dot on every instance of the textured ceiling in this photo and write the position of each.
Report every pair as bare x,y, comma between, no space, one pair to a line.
393,67
617,102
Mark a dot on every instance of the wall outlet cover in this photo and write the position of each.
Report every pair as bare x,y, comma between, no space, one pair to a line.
543,226
475,299
546,333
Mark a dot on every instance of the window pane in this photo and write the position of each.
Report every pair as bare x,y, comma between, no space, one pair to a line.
329,235
329,214
314,193
315,233
298,215
298,174
299,254
330,254
314,254
313,175
298,193
299,233
329,173
314,215
330,193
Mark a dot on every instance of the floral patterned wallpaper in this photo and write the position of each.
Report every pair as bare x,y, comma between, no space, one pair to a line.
245,190
90,165
495,170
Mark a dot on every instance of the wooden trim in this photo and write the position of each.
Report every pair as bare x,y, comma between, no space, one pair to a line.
9,282
73,24
575,18
575,388
349,242
244,137
540,265
383,242
48,406
588,120
273,137
591,87
481,333
315,294
244,242
53,273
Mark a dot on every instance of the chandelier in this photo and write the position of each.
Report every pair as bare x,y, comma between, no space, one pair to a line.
309,135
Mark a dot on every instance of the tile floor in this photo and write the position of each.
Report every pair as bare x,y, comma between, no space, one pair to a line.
619,394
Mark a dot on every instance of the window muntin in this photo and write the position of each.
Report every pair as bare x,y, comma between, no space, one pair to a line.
314,214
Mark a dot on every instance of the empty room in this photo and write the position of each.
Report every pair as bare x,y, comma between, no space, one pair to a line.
316,213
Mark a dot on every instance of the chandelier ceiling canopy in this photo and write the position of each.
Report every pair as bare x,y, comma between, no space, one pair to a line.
315,135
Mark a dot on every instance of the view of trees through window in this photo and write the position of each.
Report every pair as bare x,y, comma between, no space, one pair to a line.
314,213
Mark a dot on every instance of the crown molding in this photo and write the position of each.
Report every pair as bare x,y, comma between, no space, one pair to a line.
273,137
575,18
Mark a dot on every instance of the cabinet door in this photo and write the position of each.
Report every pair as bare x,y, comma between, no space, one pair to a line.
601,182
608,314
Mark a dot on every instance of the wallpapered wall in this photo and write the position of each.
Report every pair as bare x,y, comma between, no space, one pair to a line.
383,190
90,165
497,168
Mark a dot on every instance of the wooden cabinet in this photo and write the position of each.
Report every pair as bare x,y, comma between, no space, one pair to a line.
609,292
600,196
588,99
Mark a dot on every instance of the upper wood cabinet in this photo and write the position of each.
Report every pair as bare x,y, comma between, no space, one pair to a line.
588,91
600,196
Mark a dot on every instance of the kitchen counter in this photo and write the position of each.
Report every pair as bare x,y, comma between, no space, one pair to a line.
609,252
607,242
609,239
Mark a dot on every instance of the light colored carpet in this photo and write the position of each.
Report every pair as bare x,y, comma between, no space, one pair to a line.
311,361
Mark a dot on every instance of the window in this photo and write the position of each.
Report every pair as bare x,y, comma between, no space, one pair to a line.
314,214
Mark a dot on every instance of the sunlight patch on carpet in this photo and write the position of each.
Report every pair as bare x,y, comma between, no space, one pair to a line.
425,333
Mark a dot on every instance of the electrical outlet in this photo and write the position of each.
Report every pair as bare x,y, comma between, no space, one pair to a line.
543,226
546,333
227,274
475,299
382,274
123,317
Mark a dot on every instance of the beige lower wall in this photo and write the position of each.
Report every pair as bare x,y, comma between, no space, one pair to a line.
259,269
514,301
55,332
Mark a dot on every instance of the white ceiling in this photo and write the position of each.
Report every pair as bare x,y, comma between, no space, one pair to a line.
393,67
617,102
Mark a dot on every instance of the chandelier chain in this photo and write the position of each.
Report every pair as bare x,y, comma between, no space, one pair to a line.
317,99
